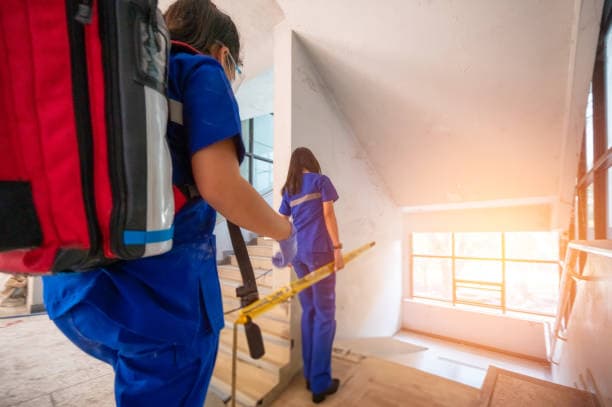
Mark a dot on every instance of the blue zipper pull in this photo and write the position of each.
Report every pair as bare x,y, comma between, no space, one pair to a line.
84,12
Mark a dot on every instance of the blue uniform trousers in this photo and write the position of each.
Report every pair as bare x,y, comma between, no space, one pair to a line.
147,372
318,322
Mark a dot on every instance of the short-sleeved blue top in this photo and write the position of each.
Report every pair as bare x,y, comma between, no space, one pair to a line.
167,290
306,210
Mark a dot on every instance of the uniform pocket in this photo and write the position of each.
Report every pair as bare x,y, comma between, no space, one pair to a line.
211,305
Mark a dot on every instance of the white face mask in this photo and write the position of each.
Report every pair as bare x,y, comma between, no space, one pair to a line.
238,73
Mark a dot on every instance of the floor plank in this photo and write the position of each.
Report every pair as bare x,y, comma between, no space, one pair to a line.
375,382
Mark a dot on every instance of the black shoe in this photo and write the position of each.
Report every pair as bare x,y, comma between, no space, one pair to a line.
333,387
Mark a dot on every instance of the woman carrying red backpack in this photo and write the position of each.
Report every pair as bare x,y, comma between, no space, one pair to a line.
157,320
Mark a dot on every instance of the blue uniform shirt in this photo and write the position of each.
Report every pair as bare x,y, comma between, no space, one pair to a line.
177,294
306,209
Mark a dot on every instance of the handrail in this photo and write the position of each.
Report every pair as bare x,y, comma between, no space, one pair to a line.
596,247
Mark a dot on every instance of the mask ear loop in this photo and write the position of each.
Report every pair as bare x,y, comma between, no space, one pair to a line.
238,72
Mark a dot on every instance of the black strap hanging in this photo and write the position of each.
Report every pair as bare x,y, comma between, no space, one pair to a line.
247,292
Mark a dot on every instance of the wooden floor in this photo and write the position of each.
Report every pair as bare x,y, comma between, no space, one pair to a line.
376,382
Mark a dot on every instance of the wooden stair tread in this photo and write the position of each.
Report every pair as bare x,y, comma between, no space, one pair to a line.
260,250
234,278
253,383
263,262
228,289
276,355
276,328
264,241
277,334
232,272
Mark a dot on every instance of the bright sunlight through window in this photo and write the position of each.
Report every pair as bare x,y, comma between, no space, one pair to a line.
509,272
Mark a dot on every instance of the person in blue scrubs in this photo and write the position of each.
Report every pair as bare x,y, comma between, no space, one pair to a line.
308,198
157,320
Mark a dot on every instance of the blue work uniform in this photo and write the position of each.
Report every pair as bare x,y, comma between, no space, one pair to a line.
157,320
315,249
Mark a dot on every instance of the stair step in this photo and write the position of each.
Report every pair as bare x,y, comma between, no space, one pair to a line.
264,241
263,251
272,331
229,272
228,288
257,262
275,358
253,383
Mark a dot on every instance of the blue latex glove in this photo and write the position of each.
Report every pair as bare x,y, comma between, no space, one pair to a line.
288,250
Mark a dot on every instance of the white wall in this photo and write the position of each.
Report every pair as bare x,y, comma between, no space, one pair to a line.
500,332
585,359
369,290
256,96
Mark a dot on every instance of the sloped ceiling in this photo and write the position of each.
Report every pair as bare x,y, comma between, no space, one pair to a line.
457,101
454,101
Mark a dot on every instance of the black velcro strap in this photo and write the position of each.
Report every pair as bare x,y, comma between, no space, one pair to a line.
19,225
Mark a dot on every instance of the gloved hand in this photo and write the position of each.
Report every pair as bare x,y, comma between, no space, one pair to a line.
288,250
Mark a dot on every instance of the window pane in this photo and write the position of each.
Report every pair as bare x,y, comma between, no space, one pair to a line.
432,278
244,168
532,245
246,134
590,213
532,287
478,245
480,295
589,132
263,129
479,270
262,176
433,244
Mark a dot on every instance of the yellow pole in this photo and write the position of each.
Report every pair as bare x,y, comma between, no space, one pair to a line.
281,295
234,356
284,293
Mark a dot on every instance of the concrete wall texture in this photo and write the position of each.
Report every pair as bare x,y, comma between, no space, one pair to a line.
368,292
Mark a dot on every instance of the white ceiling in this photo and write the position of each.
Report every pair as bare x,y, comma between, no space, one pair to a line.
454,101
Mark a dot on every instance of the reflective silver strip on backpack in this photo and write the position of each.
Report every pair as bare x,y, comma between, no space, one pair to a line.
160,207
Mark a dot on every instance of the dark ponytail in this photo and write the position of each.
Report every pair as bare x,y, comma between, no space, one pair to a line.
301,159
201,24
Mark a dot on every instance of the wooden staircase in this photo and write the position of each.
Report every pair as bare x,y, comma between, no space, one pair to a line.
258,381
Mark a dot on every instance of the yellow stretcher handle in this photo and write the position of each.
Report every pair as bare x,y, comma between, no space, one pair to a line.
284,293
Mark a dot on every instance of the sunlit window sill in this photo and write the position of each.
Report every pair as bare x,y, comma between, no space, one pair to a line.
483,310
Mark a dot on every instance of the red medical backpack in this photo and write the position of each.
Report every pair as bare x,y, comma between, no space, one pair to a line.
85,170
